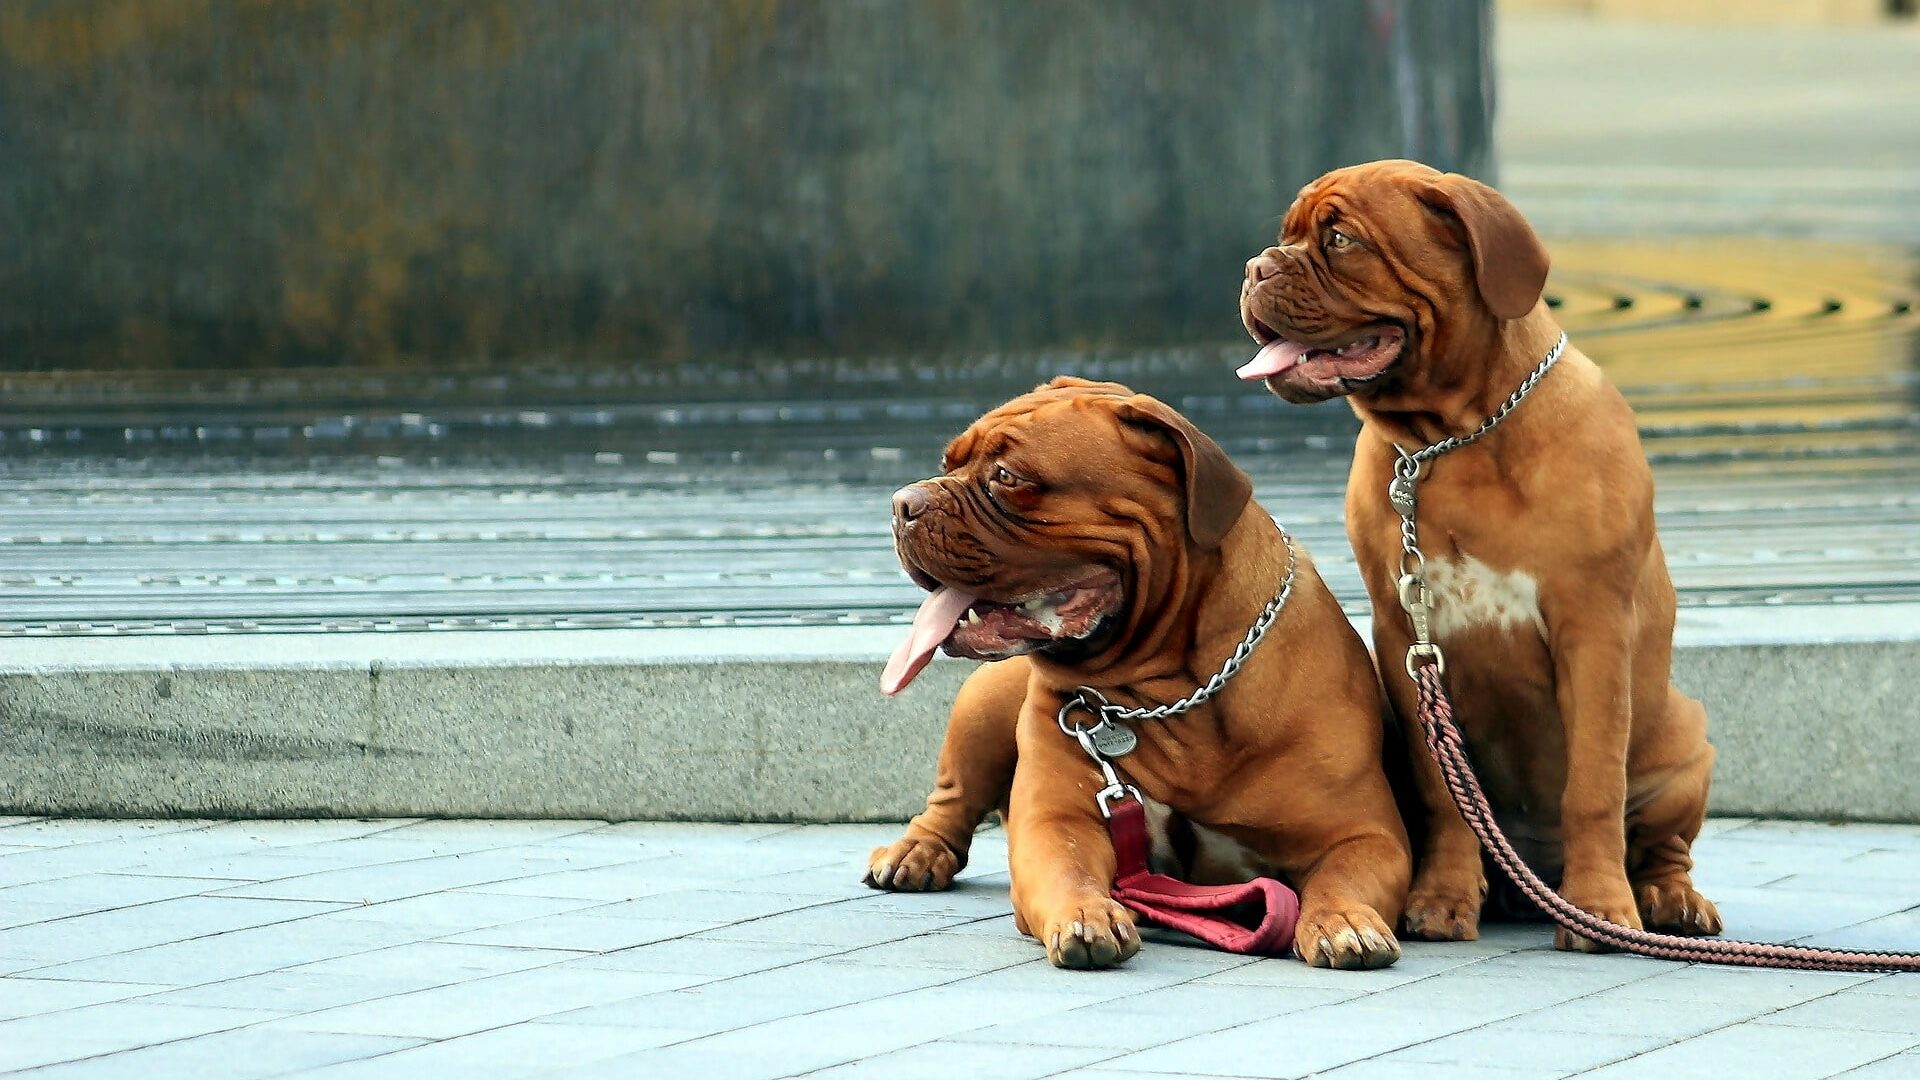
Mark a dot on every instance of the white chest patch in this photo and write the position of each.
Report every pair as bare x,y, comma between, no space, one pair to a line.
1468,593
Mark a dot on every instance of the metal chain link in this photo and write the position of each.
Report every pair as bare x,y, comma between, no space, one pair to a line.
1095,702
1409,465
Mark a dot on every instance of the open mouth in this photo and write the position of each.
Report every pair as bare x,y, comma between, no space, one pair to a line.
980,629
1365,354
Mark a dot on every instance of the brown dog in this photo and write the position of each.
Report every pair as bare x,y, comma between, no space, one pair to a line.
1418,295
1085,535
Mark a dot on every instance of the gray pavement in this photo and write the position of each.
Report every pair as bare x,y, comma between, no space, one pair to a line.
337,949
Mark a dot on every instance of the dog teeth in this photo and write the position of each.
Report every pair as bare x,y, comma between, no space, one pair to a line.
973,617
1035,604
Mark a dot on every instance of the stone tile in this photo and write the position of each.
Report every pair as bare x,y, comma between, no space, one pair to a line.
296,990
269,832
716,1006
259,1051
1312,1040
520,1050
1903,985
31,997
162,849
1157,1016
1898,932
714,905
447,1011
1608,1013
1892,1067
125,929
1777,1053
458,912
1393,1067
1691,985
26,914
612,882
450,962
1518,1044
831,926
265,864
1850,1010
703,956
84,894
74,832
944,1060
495,833
580,932
96,1029
961,952
371,884
232,955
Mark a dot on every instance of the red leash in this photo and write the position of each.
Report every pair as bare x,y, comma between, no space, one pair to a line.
1254,917
1449,751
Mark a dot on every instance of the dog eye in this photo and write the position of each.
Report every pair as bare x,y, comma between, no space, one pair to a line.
1004,478
1338,240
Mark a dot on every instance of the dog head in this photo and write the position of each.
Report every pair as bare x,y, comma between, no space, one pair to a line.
1049,521
1382,273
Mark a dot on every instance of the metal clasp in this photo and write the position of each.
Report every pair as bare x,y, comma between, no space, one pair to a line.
1417,600
1116,788
1428,651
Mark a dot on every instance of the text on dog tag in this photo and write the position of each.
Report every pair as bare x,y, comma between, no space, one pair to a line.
1114,740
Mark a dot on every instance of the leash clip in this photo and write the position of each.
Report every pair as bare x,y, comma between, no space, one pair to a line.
1417,600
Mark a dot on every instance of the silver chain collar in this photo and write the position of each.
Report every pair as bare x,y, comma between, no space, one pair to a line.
1108,738
1415,597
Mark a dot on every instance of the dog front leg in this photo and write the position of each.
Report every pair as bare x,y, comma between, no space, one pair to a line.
973,780
1059,852
1592,662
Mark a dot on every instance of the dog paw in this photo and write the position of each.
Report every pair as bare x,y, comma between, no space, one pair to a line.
1096,934
1350,940
1674,907
1609,906
1442,911
910,865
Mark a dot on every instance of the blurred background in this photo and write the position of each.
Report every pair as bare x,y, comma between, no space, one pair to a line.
334,315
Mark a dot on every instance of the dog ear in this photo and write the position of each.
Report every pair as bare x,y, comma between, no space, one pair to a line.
1074,382
1217,491
1509,262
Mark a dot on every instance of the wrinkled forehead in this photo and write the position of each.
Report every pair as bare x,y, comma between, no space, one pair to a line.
1038,424
1371,190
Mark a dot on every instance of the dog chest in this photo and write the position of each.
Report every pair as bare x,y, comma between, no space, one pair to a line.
1468,594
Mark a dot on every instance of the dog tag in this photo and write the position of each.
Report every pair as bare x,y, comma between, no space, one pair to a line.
1114,740
1400,494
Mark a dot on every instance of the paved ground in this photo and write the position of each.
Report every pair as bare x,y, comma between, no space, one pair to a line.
578,949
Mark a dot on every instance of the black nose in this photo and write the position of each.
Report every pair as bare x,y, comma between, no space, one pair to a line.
909,503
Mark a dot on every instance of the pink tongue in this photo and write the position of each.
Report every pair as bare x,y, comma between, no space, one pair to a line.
931,625
1273,358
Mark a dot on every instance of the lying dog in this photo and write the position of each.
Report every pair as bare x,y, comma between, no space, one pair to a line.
1418,295
1085,535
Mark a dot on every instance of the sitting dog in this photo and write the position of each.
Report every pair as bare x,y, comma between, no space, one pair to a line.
1418,296
1087,536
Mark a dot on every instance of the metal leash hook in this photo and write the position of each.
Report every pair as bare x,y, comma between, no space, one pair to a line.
1116,788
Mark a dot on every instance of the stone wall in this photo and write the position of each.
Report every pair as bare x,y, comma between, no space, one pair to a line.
245,184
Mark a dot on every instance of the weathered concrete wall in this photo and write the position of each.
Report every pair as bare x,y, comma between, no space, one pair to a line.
635,724
238,183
